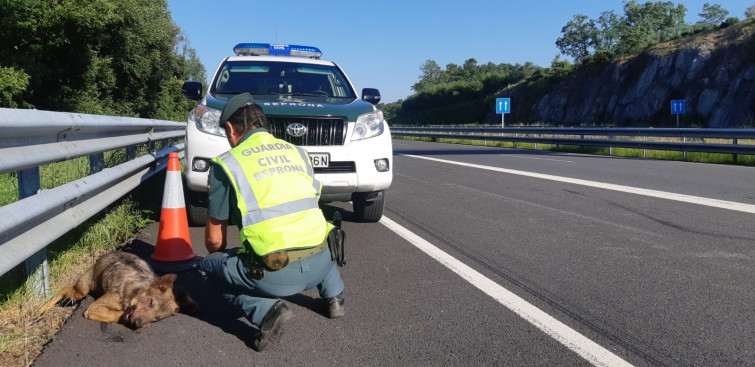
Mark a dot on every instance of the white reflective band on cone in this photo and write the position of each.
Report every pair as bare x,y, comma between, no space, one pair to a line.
173,196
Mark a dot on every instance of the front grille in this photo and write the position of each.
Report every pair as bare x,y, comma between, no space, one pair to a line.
320,131
338,167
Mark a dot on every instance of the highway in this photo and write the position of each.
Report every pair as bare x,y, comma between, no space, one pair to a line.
498,257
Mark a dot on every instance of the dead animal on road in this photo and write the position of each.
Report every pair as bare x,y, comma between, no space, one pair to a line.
129,292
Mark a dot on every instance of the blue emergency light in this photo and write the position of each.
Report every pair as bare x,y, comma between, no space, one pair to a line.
257,49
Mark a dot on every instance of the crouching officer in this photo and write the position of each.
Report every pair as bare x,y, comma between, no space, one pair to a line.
267,187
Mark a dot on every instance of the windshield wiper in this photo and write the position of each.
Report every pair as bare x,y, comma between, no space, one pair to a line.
306,94
234,92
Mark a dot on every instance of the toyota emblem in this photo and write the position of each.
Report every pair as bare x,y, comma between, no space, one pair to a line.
296,130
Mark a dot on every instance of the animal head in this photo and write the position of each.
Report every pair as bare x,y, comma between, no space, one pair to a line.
154,303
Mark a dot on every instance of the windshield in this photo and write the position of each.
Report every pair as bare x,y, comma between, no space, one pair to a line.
281,78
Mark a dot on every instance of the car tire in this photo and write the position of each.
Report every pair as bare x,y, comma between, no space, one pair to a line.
368,206
196,209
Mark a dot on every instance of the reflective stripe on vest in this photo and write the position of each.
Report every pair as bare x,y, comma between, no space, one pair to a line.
255,214
297,223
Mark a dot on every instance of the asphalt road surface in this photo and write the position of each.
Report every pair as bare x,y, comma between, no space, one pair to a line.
497,257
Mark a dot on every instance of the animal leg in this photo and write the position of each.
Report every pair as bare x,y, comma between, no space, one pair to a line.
75,292
65,292
106,308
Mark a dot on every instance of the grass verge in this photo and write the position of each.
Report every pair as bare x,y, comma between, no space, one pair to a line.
23,333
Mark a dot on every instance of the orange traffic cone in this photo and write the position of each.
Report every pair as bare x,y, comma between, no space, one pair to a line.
173,240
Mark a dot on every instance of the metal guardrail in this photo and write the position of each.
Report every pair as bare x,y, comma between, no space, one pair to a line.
566,136
31,138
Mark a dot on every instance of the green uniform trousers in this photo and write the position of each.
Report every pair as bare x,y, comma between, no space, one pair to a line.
256,296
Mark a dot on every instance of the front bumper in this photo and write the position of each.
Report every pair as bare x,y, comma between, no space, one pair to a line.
338,183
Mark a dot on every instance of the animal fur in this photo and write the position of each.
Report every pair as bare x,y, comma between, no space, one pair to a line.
129,292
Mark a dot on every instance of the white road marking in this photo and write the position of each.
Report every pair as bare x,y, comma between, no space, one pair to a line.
576,342
723,204
541,159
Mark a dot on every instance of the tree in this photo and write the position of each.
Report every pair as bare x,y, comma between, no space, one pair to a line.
431,72
560,68
579,37
712,15
675,23
471,70
453,73
750,12
641,25
609,31
123,57
649,23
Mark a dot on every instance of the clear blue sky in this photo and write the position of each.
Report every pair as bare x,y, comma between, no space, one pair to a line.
382,44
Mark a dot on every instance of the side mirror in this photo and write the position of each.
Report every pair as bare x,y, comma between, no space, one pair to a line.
192,90
371,95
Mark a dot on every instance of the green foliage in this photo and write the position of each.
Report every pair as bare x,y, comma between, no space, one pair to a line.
580,36
456,85
390,110
12,84
461,112
601,57
641,25
592,43
713,14
730,21
434,77
560,68
647,24
122,57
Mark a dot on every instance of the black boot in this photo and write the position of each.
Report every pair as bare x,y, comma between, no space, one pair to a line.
335,306
272,326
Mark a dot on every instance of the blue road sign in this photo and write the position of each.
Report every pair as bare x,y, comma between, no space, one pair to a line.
677,106
502,105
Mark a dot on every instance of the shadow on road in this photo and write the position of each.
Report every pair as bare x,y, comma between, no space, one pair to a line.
213,308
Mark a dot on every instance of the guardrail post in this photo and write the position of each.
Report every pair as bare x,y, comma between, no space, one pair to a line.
735,156
610,149
130,153
36,266
582,147
96,163
685,142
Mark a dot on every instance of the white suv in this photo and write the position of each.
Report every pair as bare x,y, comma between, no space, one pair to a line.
308,102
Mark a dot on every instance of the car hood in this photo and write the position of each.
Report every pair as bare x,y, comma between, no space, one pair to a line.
276,105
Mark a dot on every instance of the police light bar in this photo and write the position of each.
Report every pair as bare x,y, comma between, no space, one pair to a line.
257,49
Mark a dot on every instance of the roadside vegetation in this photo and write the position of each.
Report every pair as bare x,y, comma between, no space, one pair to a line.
109,57
23,332
461,94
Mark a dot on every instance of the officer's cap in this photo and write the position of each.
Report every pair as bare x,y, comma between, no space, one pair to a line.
234,104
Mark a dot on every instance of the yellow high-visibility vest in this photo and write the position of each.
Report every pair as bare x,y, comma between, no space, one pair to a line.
276,193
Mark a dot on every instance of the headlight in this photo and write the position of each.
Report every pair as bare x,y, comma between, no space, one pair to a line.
369,125
207,120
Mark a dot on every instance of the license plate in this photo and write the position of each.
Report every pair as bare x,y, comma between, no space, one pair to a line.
320,159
